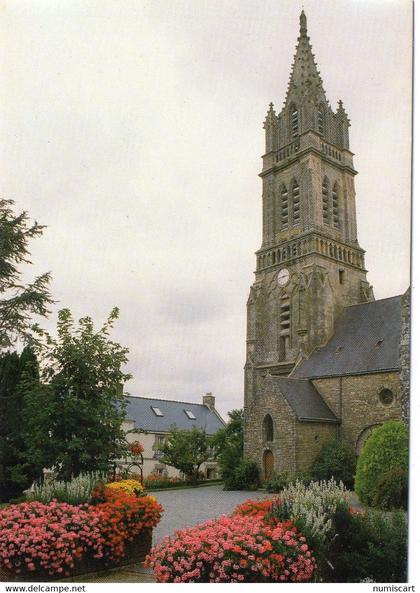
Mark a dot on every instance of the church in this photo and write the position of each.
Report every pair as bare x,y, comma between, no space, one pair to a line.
324,360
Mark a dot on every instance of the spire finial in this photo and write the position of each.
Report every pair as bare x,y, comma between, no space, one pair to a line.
303,26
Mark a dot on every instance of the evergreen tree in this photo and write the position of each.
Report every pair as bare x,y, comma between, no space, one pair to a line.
18,302
16,474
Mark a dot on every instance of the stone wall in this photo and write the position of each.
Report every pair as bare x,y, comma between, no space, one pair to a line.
283,446
311,436
356,401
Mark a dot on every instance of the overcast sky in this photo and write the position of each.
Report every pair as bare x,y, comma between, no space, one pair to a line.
133,129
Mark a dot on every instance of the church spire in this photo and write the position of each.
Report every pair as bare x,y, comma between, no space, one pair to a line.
305,80
303,25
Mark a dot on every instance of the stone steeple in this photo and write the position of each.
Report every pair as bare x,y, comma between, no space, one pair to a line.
310,264
305,81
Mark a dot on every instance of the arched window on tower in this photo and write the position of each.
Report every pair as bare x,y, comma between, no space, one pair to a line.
268,431
321,119
284,207
296,202
335,206
294,121
325,202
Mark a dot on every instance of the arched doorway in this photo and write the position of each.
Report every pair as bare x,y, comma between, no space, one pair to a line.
268,463
363,437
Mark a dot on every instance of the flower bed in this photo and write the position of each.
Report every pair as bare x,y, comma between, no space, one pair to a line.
45,541
234,549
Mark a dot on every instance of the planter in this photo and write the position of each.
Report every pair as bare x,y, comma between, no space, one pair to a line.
135,551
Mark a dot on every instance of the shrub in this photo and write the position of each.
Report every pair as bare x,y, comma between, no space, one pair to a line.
76,491
231,550
133,487
391,490
50,538
311,507
254,508
385,449
335,460
277,482
245,477
367,547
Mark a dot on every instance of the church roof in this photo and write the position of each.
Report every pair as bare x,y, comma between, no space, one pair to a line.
140,410
366,339
304,400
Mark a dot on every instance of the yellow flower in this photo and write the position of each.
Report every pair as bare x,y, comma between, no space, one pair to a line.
128,486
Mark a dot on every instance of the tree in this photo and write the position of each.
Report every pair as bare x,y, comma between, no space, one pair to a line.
74,417
19,301
228,443
186,450
16,474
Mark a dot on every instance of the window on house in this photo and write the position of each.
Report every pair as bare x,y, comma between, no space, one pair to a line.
159,440
157,411
190,415
341,276
296,202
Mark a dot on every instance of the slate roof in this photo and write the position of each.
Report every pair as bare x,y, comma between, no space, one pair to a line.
140,410
366,339
304,400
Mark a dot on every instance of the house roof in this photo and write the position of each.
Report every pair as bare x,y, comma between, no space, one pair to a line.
139,409
304,400
366,339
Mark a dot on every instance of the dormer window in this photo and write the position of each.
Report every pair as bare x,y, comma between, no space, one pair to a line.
157,411
190,415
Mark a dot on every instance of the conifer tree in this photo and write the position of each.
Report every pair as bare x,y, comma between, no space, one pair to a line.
19,302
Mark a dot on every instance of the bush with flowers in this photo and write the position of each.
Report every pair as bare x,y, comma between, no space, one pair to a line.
132,487
240,548
254,508
50,539
155,482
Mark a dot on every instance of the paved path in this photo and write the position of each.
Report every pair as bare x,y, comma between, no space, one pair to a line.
185,508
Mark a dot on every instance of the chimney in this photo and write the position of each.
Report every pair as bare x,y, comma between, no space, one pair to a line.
209,400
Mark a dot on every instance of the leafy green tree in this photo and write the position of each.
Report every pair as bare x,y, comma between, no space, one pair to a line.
186,450
19,301
16,474
74,417
228,443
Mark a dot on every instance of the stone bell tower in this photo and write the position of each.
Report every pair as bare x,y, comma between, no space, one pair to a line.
310,264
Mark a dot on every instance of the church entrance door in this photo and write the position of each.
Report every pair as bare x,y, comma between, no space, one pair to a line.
268,461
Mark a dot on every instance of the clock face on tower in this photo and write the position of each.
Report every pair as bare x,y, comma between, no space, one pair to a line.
283,277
